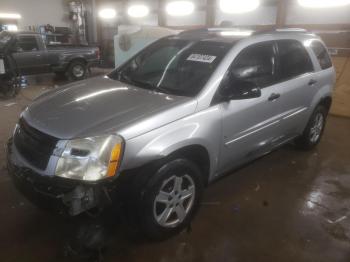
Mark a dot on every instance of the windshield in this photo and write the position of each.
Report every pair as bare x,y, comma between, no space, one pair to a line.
173,66
5,37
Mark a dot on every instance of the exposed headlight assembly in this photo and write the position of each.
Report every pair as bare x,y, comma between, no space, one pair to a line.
91,159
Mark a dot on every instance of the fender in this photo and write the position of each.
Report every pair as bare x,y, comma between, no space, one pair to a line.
202,128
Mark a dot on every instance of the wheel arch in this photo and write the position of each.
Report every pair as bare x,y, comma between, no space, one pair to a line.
196,153
326,102
77,59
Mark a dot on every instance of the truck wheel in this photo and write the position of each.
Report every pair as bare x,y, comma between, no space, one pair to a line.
170,199
77,70
314,129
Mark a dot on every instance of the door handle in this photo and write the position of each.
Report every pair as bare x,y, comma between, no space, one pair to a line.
312,82
274,97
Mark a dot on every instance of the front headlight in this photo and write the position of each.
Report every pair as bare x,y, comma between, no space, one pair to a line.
90,158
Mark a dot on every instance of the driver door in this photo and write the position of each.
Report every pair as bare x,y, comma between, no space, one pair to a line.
29,58
251,127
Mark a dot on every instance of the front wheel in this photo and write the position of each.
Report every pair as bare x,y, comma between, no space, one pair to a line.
314,129
170,199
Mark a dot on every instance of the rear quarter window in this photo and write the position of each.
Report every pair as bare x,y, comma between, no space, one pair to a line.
294,60
322,54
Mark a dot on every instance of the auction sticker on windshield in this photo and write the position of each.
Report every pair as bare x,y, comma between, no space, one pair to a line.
2,66
201,58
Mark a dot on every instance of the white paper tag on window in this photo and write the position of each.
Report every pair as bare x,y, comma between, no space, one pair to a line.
2,66
201,58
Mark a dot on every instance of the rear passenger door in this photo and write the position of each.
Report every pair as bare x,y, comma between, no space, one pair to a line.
297,86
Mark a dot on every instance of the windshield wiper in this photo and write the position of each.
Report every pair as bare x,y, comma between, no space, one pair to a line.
146,85
143,84
124,78
150,86
162,90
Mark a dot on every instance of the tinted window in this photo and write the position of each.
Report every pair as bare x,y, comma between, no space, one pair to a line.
321,54
174,66
256,63
27,43
294,59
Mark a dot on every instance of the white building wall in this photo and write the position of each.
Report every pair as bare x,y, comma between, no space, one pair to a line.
55,12
37,12
196,18
300,15
151,19
264,15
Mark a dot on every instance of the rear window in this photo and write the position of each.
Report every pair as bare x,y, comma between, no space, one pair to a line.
293,59
321,54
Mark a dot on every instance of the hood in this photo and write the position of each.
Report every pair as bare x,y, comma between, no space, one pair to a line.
99,106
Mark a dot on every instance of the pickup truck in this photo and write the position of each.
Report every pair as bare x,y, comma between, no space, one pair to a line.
33,56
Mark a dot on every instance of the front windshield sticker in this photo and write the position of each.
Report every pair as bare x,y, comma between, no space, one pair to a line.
201,58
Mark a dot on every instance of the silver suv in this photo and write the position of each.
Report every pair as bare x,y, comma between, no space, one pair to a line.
175,117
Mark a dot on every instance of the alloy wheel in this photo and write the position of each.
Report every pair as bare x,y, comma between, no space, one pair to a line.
317,127
174,200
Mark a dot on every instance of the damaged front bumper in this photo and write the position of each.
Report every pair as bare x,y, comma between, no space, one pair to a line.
64,196
58,194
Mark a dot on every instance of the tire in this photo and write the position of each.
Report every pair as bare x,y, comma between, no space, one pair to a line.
77,70
170,199
314,130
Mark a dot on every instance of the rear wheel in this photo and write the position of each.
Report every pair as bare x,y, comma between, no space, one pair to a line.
314,129
170,199
77,70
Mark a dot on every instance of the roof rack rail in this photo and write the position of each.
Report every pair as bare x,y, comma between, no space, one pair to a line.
237,31
291,30
223,30
282,30
194,31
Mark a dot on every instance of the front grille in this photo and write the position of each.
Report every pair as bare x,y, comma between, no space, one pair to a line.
35,146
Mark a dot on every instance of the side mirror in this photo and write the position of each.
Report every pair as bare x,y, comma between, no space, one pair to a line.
240,89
